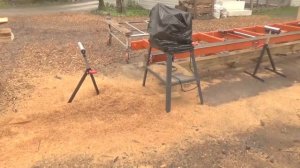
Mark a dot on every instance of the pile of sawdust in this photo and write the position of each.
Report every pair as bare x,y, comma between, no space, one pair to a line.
116,99
46,118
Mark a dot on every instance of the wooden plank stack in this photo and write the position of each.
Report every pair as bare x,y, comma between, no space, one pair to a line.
198,8
6,34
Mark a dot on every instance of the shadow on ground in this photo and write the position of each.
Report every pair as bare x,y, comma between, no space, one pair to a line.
239,86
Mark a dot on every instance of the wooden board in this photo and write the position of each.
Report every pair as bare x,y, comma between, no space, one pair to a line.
4,32
6,35
3,20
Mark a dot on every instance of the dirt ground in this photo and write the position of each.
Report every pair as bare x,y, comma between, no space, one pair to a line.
244,123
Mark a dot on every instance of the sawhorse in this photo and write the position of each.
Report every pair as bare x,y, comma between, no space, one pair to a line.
168,80
88,71
265,48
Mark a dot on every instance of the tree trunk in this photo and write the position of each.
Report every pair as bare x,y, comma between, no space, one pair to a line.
101,4
267,3
251,4
120,6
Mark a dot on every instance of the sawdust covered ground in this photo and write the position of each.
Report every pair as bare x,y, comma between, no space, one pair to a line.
244,123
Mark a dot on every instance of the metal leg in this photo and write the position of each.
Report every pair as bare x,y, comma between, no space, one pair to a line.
262,53
258,64
146,66
274,70
168,82
270,58
127,56
94,83
197,76
127,50
109,36
265,48
78,86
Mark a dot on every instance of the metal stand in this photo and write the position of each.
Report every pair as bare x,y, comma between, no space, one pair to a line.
270,30
168,81
87,72
124,32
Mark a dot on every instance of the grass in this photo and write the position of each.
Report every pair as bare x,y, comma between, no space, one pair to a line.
3,4
6,4
130,11
288,12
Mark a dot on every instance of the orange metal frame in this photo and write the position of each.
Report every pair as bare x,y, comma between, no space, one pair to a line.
219,41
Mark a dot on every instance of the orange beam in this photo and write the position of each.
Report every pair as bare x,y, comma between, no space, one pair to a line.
235,36
252,31
216,42
285,39
286,28
206,51
139,44
206,37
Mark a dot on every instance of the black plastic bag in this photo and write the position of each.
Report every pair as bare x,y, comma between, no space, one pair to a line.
170,29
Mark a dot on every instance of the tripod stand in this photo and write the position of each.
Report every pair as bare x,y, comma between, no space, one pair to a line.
88,71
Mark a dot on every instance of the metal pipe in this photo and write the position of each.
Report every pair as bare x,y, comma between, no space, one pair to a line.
244,34
82,49
275,29
135,28
118,39
139,35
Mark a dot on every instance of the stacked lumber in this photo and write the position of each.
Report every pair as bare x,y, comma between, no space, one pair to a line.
6,34
198,8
